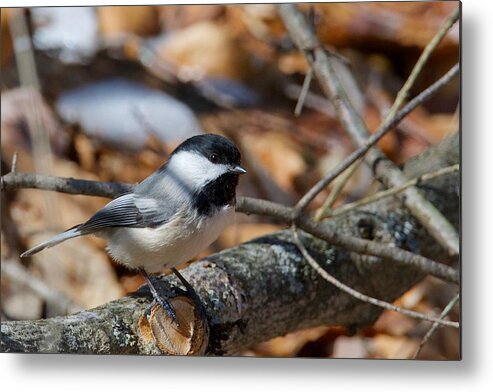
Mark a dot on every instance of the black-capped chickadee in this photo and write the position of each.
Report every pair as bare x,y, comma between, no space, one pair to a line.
172,215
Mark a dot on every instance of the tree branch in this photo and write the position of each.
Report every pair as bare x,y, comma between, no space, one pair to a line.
248,205
386,171
15,180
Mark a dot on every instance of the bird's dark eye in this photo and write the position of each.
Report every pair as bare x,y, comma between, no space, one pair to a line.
214,158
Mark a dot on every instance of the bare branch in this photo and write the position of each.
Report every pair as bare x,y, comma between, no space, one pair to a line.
12,181
375,137
304,91
386,171
394,191
418,67
362,297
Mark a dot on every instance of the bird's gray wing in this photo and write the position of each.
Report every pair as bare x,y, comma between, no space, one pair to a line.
126,211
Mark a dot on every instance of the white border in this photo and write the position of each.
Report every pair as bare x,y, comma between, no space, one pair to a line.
85,373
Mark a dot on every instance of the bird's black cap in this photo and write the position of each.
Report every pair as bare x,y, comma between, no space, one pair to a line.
216,148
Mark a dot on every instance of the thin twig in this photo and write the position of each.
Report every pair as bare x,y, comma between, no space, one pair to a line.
395,190
363,297
339,185
304,91
418,67
13,166
312,100
374,138
246,205
435,325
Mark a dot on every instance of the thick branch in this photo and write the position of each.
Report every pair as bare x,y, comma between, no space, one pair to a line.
240,287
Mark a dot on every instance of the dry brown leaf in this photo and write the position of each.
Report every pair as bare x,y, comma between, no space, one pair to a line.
205,49
179,16
392,347
86,152
449,342
131,283
7,46
350,347
436,126
291,63
290,344
419,124
257,25
411,298
115,22
406,24
393,323
261,19
279,155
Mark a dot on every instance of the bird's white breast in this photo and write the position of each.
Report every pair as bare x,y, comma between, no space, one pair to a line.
168,245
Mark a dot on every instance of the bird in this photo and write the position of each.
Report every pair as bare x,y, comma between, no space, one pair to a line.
172,215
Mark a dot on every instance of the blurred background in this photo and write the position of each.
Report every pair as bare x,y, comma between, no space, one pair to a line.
106,93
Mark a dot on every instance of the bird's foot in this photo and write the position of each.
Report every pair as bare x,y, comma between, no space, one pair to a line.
165,305
158,300
191,293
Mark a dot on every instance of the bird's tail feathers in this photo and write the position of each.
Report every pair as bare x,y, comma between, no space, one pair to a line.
70,233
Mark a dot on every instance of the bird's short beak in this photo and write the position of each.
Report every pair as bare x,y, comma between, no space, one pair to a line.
237,170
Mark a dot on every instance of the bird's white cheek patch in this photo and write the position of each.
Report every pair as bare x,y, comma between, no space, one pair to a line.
193,169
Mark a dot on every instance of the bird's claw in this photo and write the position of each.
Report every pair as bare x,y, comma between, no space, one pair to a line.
165,305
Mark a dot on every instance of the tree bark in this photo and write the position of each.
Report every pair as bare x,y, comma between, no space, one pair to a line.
265,288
